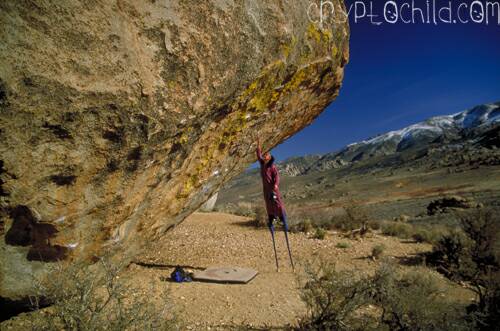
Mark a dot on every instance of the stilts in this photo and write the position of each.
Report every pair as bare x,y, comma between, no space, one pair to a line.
271,228
289,251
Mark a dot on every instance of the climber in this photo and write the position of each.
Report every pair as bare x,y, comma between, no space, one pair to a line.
274,203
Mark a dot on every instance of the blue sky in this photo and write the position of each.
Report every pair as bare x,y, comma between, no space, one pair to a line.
404,73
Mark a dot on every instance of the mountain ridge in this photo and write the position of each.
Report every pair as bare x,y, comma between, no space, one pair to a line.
443,129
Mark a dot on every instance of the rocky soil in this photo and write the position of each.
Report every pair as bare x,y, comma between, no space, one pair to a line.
271,299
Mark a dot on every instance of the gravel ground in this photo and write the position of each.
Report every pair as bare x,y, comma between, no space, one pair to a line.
272,298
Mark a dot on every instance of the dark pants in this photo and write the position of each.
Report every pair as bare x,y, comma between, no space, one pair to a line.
282,219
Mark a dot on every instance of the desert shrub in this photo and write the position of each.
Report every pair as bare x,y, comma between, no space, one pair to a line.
307,220
427,235
304,225
304,220
343,245
320,233
412,300
255,211
244,209
378,251
322,218
240,209
479,265
352,218
332,298
422,236
397,229
93,297
388,300
342,223
402,218
374,225
449,254
472,255
260,216
298,220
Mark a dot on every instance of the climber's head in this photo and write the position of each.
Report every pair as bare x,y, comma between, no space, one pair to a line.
267,157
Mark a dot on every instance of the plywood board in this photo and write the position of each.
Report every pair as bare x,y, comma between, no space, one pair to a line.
235,275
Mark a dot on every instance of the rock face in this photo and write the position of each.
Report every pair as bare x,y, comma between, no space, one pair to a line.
120,118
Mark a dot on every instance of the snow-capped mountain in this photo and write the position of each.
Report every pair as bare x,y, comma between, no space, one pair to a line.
476,117
466,125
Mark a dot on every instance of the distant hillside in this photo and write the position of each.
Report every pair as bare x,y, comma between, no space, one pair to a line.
459,128
298,165
467,139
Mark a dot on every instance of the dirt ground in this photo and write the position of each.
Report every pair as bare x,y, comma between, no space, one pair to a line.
270,299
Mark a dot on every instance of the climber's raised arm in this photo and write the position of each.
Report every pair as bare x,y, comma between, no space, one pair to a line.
259,152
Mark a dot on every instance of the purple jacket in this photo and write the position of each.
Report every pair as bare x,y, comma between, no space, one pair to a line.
270,184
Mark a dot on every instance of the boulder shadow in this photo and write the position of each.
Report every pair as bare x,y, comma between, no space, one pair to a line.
27,231
246,224
165,266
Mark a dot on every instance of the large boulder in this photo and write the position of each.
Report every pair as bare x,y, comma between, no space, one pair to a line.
120,118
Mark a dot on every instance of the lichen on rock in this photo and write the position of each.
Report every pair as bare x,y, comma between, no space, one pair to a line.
118,119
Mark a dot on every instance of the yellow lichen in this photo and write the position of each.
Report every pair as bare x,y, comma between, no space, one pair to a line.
258,97
286,49
184,138
313,32
186,190
334,51
250,89
260,102
171,84
233,126
265,95
261,95
328,34
297,79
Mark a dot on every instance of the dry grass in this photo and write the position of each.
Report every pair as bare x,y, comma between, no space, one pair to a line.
388,300
378,251
93,297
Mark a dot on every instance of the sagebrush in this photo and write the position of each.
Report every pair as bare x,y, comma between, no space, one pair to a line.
388,300
94,297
